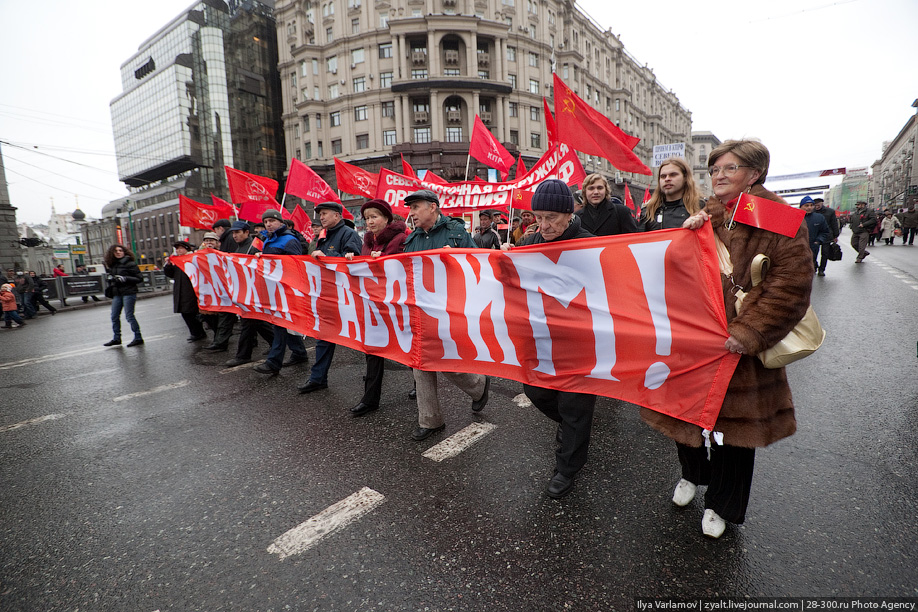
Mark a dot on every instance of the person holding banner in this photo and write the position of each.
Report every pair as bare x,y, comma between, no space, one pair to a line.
184,299
385,236
249,328
675,199
757,409
124,276
434,230
603,215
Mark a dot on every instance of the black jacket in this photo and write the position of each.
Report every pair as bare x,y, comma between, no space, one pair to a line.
184,299
669,216
608,218
127,268
339,241
831,219
863,221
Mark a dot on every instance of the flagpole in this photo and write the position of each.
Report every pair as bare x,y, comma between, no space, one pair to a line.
468,159
283,198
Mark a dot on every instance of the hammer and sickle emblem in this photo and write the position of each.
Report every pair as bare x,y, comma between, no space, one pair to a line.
750,206
569,106
519,196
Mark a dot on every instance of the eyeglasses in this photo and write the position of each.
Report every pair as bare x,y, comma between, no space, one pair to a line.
728,170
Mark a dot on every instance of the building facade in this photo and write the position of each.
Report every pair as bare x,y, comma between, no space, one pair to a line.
365,80
703,143
201,93
894,182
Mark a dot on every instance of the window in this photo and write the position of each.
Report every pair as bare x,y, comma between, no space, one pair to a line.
509,21
296,131
334,119
417,12
384,21
533,7
454,134
293,80
565,71
514,109
353,4
511,54
385,50
329,34
332,63
385,79
512,79
534,113
332,91
318,121
515,137
306,124
422,135
508,2
355,25
618,105
303,68
360,113
319,150
357,56
336,147
363,141
533,86
419,73
388,109
388,137
360,84
532,31
297,154
315,92
551,17
451,72
533,59
484,74
315,66
535,140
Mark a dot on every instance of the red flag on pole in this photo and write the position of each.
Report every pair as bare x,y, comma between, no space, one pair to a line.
224,208
304,183
587,130
245,187
629,202
196,214
521,199
356,180
301,222
407,170
646,196
550,126
520,168
486,149
430,177
768,215
252,211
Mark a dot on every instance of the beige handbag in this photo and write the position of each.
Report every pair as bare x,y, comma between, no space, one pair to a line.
802,341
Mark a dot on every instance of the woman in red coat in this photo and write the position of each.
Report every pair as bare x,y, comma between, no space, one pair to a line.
758,409
384,236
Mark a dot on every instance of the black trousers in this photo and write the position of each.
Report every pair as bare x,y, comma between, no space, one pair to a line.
226,321
39,300
372,385
249,330
727,474
574,411
193,322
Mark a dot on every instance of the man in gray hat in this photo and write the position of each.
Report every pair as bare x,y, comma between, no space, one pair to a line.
338,241
434,230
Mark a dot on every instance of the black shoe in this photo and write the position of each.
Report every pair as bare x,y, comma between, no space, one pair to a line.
195,338
422,433
294,360
264,368
311,386
136,342
413,394
559,486
236,361
216,348
113,342
478,404
361,409
53,311
820,273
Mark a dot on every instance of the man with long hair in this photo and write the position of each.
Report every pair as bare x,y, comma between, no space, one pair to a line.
675,199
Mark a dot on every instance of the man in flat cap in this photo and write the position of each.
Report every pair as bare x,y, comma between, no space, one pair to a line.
338,240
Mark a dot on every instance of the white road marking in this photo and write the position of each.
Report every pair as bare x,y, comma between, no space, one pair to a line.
459,441
84,375
49,417
522,401
337,516
70,354
159,389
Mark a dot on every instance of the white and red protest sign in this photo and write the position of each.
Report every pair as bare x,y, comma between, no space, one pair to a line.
638,317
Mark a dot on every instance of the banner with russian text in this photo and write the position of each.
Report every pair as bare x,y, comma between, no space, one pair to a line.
638,317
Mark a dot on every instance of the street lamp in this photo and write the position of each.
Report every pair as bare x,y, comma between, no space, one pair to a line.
130,209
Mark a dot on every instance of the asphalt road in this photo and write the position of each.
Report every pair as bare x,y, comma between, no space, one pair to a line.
151,479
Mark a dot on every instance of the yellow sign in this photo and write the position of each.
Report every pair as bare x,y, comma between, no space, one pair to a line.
77,249
146,267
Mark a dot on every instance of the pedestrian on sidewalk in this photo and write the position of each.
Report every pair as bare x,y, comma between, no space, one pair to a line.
123,276
38,296
888,226
10,309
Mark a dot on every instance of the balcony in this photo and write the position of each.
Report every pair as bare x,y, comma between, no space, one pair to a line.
485,117
419,58
484,58
454,116
451,57
421,116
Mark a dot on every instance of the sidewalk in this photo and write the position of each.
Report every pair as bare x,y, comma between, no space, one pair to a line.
75,302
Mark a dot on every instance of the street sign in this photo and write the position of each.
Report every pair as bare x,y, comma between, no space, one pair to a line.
77,249
664,152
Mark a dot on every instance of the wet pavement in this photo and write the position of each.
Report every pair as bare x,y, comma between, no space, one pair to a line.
170,499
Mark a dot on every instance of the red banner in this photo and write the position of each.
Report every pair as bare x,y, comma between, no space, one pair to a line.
304,183
559,162
638,317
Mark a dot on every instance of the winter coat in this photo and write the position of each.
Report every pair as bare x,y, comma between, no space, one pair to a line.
831,219
888,225
910,218
184,299
339,241
281,242
127,268
608,218
863,221
488,239
227,242
446,231
9,301
757,409
391,239
818,229
671,215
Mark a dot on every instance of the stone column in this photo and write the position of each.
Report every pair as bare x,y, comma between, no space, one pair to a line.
10,251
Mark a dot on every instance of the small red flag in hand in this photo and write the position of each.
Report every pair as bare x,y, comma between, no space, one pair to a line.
768,215
521,199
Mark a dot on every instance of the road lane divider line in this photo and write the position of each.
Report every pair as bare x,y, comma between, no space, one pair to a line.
334,518
41,419
459,441
159,389
71,353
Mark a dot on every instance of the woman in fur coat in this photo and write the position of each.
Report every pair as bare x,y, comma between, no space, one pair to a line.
758,409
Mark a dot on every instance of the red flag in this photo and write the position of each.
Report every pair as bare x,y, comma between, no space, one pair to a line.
629,202
356,180
646,196
252,211
587,130
485,148
520,168
550,126
224,208
407,170
521,199
245,187
301,222
304,183
196,214
768,215
430,177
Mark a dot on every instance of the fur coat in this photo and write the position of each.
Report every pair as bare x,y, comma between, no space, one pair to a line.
758,408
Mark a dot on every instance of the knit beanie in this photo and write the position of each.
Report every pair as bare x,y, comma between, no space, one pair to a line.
553,195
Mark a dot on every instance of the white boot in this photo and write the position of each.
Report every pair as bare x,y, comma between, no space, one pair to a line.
684,493
712,525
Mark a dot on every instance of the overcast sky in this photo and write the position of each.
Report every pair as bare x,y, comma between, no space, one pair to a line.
822,84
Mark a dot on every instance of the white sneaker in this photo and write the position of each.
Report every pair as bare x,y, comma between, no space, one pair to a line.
684,493
712,525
